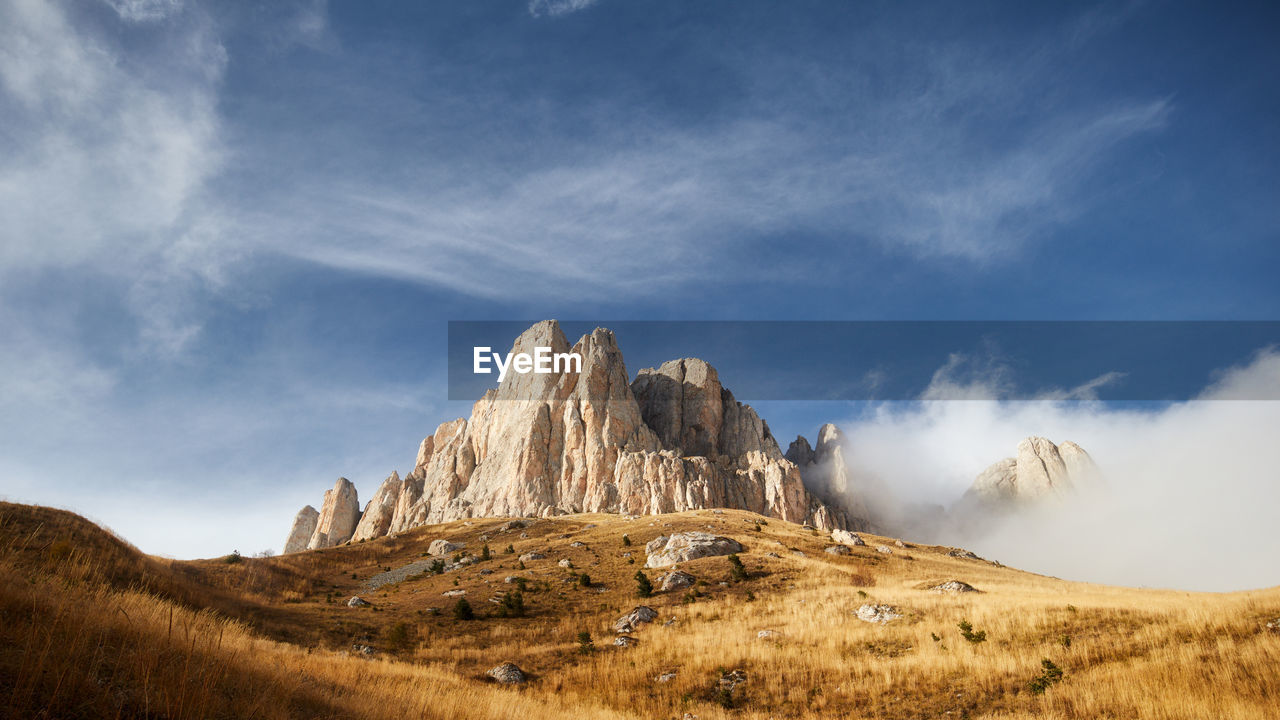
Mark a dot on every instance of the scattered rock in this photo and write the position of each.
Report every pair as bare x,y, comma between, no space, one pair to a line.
900,544
454,593
565,563
798,553
640,615
877,613
844,537
766,634
773,555
838,550
531,556
731,680
442,547
509,579
625,641
1274,625
667,676
357,601
686,546
577,543
486,571
363,649
675,580
511,525
954,586
962,553
884,549
507,674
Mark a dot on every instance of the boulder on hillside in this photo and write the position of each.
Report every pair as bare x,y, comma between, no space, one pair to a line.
954,586
507,673
675,580
845,537
877,613
686,546
640,615
443,547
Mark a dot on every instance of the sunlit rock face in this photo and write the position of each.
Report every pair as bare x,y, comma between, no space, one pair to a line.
304,525
338,518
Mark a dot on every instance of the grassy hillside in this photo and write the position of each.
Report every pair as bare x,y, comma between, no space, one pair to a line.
93,628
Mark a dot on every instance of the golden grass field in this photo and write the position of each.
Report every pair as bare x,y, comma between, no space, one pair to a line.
91,628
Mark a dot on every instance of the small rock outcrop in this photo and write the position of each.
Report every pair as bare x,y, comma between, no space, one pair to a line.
357,601
441,546
675,580
838,550
954,586
508,674
877,613
686,546
845,537
338,516
304,526
639,616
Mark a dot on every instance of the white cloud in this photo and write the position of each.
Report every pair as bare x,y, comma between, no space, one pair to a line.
558,7
145,10
1188,500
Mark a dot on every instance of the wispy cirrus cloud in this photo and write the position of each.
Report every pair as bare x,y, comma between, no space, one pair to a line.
558,7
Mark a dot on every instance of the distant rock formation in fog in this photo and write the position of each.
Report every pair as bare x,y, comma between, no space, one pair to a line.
827,475
673,439
1041,470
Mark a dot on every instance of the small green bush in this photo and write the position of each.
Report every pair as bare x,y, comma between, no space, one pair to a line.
462,610
968,633
644,587
1049,674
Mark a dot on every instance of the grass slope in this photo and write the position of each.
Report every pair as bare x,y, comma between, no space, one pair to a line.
92,628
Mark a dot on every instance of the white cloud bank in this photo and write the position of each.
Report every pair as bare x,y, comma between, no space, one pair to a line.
1190,493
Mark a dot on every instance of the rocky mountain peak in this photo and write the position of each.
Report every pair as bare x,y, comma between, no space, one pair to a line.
672,439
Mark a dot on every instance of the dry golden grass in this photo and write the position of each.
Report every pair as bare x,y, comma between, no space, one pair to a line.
94,629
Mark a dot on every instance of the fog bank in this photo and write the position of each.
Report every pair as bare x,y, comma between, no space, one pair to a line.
1188,500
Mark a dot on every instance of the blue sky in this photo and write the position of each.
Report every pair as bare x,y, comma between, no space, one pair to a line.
231,234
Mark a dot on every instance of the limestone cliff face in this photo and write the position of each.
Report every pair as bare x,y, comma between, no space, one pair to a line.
1040,470
378,514
593,441
304,525
338,516
828,476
